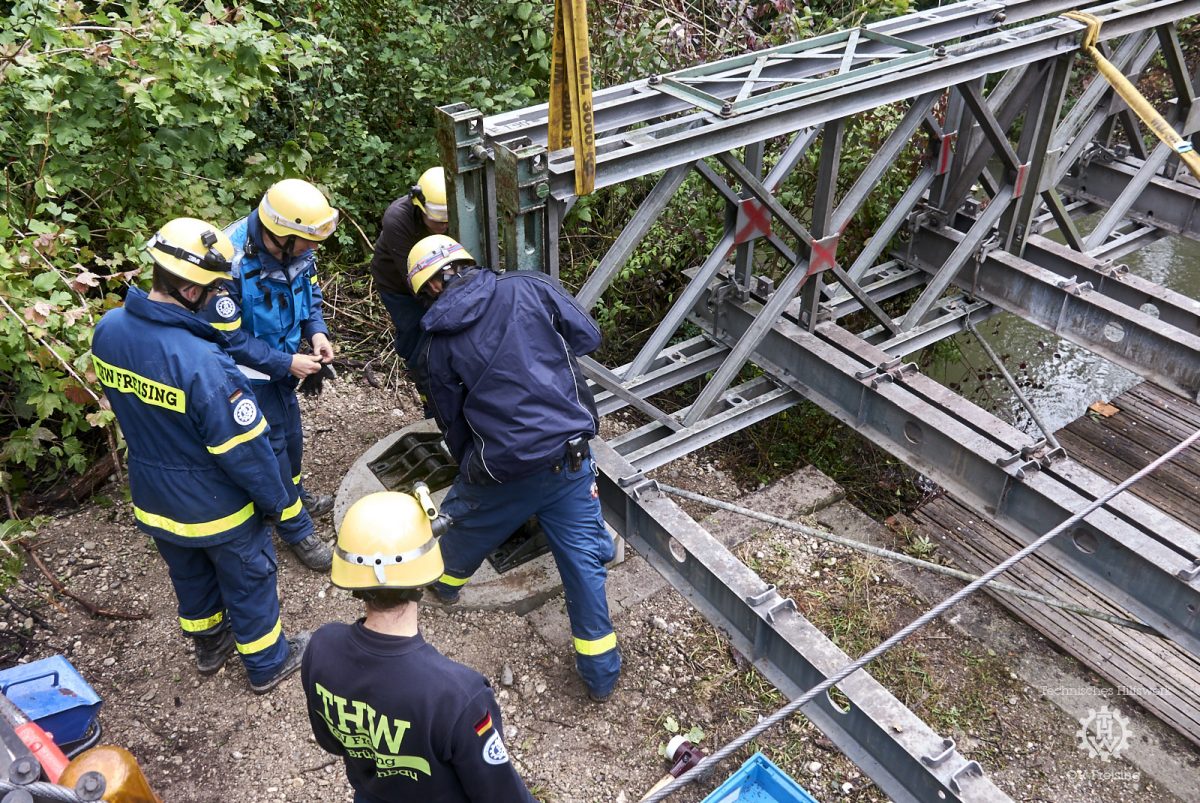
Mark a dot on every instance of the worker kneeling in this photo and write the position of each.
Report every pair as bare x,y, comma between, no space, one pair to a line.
202,473
410,723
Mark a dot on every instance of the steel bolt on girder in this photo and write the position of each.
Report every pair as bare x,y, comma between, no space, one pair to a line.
1075,310
900,753
1128,550
1170,205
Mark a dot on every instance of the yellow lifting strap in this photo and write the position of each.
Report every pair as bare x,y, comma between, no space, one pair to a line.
1129,93
570,116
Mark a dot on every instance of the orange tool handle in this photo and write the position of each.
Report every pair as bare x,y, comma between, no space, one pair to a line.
44,749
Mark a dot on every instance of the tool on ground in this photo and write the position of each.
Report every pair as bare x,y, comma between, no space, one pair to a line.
43,748
570,122
313,384
121,779
1129,93
684,755
53,694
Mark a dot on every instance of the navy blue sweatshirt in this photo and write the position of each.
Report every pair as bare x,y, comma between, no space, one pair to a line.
410,723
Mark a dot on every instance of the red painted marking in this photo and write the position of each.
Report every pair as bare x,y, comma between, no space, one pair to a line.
753,221
824,254
946,152
1019,181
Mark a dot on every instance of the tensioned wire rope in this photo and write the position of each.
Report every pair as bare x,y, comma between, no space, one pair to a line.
900,557
706,765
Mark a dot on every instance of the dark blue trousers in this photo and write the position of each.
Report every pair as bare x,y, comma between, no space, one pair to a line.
406,314
231,585
279,406
567,505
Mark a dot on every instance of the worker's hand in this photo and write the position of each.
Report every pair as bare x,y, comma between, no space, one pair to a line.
322,347
303,365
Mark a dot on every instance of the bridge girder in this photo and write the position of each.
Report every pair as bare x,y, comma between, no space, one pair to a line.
509,197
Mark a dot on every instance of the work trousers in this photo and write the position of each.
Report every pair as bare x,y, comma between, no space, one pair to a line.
406,314
279,406
231,585
567,505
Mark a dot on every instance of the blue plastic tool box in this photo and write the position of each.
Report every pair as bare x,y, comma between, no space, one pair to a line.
759,781
54,695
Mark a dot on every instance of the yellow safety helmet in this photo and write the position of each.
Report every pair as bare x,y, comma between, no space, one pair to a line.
429,195
293,207
192,250
430,255
387,540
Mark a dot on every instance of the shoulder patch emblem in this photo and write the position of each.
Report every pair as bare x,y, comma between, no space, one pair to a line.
226,307
244,412
493,750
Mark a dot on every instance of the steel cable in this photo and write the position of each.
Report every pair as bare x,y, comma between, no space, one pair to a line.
706,765
900,557
43,792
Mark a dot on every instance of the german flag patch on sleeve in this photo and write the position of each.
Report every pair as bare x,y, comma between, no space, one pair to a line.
484,725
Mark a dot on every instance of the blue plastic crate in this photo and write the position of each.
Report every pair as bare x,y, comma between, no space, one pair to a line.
759,781
54,695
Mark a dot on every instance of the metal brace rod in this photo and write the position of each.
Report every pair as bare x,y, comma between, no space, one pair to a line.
1047,433
631,235
877,732
1122,550
948,270
1167,204
1088,317
612,383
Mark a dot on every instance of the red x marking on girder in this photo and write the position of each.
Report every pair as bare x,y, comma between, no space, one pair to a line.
824,254
753,221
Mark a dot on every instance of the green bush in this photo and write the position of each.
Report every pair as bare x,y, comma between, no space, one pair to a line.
116,119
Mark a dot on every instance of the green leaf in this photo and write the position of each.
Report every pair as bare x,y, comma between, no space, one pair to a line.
43,282
523,11
670,724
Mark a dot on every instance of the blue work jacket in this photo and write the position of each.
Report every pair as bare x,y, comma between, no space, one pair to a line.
201,467
503,380
266,302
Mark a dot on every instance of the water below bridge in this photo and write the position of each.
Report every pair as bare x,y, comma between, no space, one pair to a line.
1059,378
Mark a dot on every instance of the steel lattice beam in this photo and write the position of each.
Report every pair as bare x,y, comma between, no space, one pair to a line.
900,753
1076,310
1124,549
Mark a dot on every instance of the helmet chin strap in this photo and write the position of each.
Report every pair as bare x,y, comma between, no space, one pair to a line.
192,306
285,245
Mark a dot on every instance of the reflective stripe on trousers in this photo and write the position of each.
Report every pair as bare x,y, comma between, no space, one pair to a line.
235,579
484,517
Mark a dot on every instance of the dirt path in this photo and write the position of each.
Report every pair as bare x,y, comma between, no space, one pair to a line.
209,740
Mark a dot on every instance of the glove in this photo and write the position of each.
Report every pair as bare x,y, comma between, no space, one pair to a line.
313,384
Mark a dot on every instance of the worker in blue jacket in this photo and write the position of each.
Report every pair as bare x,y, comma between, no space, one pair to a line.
202,474
272,302
500,364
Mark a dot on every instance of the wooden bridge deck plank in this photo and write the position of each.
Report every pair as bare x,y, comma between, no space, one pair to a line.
1161,677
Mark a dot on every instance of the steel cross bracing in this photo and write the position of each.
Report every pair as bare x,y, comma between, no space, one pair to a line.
983,91
900,753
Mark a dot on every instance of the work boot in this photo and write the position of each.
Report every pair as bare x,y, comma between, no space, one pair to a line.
296,646
438,599
212,651
313,553
317,505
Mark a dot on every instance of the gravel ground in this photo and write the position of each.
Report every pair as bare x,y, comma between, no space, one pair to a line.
203,740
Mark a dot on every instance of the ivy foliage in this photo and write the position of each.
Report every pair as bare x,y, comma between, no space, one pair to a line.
362,124
116,116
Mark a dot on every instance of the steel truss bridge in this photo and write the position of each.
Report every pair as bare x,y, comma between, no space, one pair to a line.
1007,154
